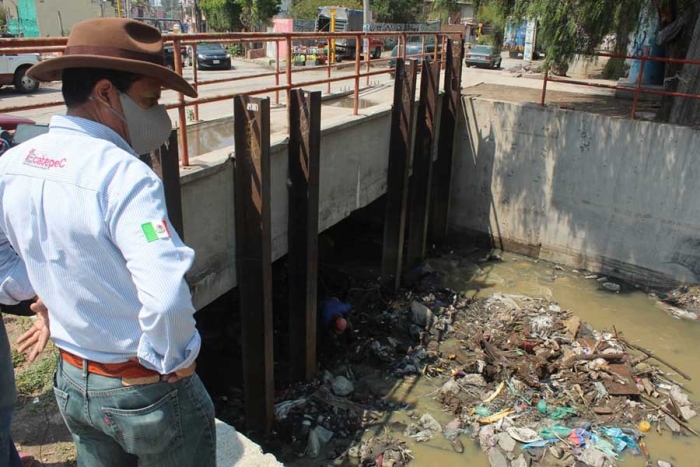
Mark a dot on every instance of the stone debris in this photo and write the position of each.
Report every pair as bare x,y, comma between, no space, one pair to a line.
342,386
524,378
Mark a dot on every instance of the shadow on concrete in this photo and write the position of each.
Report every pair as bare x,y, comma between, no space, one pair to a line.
613,195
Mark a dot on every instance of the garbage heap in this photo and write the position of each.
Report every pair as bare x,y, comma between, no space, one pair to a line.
528,381
536,385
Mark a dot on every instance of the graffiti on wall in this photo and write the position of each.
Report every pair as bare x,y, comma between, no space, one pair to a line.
394,27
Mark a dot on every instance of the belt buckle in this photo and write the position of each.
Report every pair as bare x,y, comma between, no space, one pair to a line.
141,381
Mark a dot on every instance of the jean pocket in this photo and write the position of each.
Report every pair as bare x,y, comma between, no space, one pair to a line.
149,430
61,396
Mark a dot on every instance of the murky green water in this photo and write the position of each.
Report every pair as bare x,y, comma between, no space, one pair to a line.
633,312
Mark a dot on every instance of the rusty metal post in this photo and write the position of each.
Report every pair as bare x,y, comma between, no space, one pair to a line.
288,66
444,45
356,102
422,50
165,163
304,152
397,178
402,48
254,256
544,87
422,163
277,70
330,64
367,58
442,167
436,56
638,88
195,84
182,119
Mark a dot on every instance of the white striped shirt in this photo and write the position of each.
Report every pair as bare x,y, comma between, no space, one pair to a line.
76,204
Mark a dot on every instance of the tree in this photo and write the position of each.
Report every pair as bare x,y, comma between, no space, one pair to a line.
3,19
397,11
308,9
222,15
257,13
569,27
442,9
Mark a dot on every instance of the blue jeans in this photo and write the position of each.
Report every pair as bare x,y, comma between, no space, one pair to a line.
8,398
159,424
8,452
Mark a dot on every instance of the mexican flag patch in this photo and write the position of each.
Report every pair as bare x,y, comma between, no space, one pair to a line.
155,230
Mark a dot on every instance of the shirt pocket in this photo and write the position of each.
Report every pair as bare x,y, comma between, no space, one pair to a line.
150,430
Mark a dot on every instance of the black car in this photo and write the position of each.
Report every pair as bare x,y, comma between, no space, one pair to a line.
213,56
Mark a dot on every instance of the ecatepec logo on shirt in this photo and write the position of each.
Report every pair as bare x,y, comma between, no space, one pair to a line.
40,161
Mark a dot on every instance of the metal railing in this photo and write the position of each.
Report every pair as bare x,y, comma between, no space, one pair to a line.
57,45
637,90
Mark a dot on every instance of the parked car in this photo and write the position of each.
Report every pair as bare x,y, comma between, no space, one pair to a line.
169,56
213,56
487,56
13,69
413,52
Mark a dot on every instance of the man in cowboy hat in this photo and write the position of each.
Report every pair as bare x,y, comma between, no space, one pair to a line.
88,223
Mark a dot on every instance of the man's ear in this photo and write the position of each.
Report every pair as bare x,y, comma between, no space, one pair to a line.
103,89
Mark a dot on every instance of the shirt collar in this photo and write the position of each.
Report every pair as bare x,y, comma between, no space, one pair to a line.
67,124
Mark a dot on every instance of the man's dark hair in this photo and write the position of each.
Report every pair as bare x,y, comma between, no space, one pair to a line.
78,83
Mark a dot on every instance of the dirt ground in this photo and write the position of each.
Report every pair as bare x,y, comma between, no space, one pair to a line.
37,425
592,103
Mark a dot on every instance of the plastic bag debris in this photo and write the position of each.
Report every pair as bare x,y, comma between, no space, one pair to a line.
523,435
318,437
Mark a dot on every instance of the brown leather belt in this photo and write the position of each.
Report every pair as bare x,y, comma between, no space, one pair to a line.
126,370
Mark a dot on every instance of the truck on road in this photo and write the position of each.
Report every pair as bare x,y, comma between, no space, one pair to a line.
13,70
346,20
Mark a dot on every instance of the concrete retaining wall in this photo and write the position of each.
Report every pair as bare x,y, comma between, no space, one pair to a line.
353,174
585,190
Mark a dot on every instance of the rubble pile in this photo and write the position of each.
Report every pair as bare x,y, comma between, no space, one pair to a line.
527,381
527,374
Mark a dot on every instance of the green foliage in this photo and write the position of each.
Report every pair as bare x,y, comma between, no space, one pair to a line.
3,18
615,69
567,27
236,50
257,13
18,358
37,377
488,40
235,15
442,9
308,9
397,11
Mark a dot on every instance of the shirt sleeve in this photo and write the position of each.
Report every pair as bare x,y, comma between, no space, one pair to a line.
158,260
14,281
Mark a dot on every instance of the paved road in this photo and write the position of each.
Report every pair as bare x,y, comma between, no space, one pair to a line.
52,91
242,68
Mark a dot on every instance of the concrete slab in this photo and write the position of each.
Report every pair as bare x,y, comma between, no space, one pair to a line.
234,449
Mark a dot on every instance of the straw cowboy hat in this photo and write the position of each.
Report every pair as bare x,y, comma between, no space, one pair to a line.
114,44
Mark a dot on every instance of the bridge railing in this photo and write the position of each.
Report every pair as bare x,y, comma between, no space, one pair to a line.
285,73
638,86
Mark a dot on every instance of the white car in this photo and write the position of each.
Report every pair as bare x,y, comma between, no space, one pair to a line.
13,70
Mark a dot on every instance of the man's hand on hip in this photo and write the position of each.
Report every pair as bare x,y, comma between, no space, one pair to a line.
39,333
179,374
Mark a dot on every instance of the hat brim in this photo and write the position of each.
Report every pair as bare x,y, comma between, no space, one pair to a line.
52,69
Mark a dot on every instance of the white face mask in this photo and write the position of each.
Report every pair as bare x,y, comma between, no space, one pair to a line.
148,128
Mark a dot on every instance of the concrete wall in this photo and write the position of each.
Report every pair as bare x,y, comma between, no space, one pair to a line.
353,174
585,190
71,12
